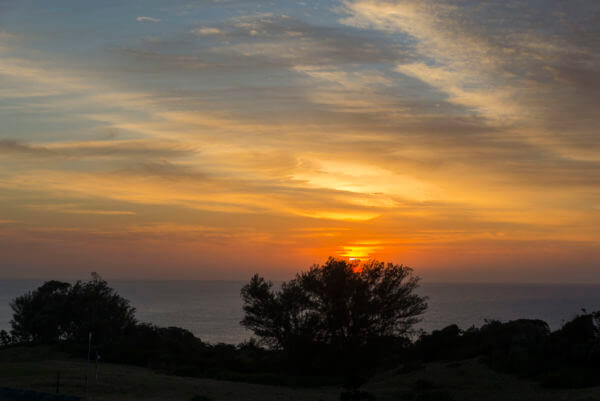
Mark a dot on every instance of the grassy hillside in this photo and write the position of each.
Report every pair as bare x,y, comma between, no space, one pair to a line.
36,369
467,380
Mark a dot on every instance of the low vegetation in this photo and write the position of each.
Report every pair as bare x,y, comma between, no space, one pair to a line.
568,357
36,368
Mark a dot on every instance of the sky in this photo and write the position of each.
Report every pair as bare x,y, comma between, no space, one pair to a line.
211,139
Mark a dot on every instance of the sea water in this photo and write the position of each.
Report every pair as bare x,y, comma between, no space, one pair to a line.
212,310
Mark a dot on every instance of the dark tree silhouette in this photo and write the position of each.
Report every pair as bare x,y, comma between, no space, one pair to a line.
41,315
61,311
95,307
339,304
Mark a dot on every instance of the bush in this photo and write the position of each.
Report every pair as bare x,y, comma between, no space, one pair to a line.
516,346
356,395
567,358
201,398
440,344
434,395
424,385
5,339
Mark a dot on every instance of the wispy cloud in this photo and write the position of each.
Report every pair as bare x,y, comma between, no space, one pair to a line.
207,31
147,19
74,209
132,149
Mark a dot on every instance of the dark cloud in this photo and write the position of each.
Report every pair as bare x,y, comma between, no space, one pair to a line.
325,45
163,169
237,47
155,61
8,146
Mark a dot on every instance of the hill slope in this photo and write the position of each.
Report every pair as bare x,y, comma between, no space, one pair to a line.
37,368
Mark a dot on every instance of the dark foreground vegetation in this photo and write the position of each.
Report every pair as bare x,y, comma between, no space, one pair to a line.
338,323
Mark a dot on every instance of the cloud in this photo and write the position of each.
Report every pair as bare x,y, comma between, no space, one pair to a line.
73,209
147,19
513,77
477,61
259,41
6,37
207,31
408,123
98,149
463,64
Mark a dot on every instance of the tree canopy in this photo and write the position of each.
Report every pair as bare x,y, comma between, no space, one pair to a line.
339,304
63,311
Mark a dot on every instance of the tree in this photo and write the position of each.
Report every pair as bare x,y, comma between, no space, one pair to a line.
61,311
5,338
342,305
41,315
95,307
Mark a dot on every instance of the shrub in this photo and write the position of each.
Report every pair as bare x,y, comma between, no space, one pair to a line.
356,395
201,398
434,395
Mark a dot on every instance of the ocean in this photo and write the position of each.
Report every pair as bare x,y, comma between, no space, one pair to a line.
212,310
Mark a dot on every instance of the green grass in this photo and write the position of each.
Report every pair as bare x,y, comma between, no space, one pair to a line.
36,369
20,369
467,380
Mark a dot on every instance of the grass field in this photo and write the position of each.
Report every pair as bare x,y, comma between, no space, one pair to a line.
37,368
468,381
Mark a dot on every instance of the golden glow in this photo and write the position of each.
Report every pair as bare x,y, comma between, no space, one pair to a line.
361,250
273,151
